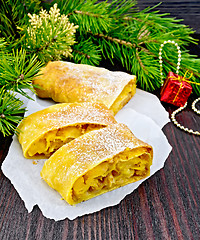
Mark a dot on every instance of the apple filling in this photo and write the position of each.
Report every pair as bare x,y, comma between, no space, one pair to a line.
111,174
124,97
53,140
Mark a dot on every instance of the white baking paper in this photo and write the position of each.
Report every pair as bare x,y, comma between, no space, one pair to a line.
149,105
25,176
142,102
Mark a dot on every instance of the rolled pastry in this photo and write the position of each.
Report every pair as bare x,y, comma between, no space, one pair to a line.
97,162
70,82
43,132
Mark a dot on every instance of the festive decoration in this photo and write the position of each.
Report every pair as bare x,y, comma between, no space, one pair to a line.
114,30
176,90
161,61
193,106
173,117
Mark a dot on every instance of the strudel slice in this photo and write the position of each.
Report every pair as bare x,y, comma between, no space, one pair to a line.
70,82
43,132
97,162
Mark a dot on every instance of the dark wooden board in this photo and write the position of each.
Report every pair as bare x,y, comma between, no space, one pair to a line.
166,206
188,10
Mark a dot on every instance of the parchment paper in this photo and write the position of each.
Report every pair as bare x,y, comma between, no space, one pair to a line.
144,115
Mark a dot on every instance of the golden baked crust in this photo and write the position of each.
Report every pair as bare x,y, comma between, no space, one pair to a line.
43,132
69,82
97,162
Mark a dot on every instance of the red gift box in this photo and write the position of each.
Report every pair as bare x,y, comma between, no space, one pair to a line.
175,90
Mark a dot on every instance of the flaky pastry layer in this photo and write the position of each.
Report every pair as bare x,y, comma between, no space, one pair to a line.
97,162
69,82
45,131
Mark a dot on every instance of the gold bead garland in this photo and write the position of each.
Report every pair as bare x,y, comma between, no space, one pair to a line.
173,115
193,106
160,58
178,124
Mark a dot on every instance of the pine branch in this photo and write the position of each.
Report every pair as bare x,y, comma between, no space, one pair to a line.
116,40
13,15
114,30
11,112
49,35
17,73
8,27
85,51
3,49
95,16
147,41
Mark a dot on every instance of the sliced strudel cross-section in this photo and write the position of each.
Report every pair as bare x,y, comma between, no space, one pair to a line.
43,132
97,162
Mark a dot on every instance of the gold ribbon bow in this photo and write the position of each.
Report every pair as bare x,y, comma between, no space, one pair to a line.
184,79
180,79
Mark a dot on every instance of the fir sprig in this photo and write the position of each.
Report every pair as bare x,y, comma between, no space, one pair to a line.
94,16
50,35
3,49
132,37
11,112
18,71
85,51
14,16
112,30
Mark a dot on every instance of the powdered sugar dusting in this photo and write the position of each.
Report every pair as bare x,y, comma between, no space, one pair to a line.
91,148
79,113
93,83
64,115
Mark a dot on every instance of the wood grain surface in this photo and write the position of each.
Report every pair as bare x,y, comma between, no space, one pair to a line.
187,10
166,206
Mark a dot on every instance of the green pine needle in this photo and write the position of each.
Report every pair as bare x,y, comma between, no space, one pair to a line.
17,73
13,15
86,52
112,30
11,112
107,30
49,35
